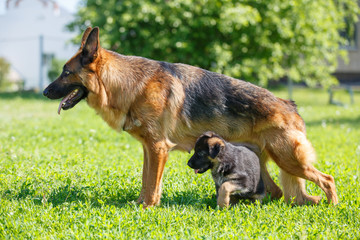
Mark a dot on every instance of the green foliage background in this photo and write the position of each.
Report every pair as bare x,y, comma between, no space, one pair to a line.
55,68
255,40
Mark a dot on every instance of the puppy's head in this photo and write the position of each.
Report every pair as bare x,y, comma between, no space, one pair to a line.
207,148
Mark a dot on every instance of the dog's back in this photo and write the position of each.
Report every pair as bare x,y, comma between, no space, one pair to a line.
231,107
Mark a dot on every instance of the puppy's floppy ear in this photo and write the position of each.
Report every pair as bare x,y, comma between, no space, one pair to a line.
203,137
91,47
214,150
208,134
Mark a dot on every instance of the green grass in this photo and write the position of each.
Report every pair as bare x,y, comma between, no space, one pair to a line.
71,176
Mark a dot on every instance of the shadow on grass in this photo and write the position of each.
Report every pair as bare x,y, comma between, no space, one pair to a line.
73,194
189,198
195,199
122,197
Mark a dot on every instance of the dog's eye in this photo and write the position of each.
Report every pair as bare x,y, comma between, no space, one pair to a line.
66,73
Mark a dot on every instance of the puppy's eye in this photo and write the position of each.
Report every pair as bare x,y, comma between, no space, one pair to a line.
66,73
201,154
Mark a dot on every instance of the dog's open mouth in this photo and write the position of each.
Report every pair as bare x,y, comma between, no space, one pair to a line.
72,98
201,170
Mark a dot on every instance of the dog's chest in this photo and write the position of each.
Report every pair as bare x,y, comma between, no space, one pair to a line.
114,119
218,178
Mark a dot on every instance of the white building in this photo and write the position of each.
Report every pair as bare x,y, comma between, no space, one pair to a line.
29,28
349,73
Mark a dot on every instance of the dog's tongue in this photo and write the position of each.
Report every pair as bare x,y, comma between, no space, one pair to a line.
64,100
196,171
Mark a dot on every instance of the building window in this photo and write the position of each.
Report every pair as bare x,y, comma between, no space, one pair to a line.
350,36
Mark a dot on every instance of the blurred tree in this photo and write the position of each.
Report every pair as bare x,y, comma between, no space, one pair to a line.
55,68
255,40
4,71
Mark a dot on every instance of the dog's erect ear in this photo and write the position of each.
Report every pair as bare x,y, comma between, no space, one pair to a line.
91,48
214,150
85,36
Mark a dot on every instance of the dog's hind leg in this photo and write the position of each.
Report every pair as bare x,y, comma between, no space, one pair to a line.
157,157
324,181
270,185
144,175
294,154
294,189
309,172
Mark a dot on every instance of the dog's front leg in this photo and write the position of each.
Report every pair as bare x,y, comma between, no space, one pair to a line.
157,157
225,191
144,175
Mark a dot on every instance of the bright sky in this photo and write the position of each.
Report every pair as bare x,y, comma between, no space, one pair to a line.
68,4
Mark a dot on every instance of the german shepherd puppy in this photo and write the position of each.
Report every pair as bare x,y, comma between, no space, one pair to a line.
167,106
235,169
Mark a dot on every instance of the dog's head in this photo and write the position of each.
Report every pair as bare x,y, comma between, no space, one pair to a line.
207,148
79,73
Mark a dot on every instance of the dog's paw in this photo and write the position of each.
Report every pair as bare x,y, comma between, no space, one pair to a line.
313,199
141,199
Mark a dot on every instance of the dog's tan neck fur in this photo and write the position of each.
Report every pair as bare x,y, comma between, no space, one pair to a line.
117,73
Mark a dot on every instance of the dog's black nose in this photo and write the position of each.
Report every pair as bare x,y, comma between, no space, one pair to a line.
46,92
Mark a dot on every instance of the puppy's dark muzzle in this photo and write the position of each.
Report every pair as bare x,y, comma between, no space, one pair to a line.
190,164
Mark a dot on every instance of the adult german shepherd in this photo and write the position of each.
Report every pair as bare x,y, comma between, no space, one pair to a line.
168,106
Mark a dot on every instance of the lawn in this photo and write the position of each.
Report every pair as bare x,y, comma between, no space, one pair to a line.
71,176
